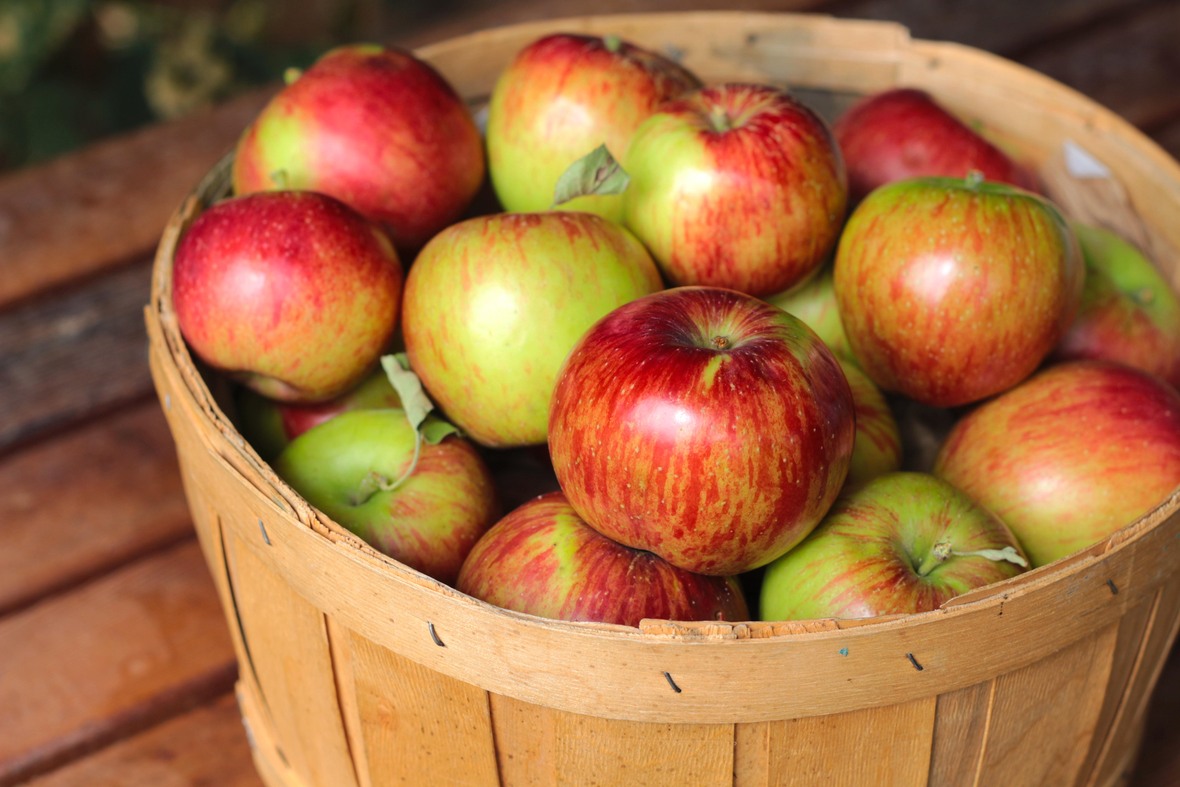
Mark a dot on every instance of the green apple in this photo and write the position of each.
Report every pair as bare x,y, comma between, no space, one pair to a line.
814,302
493,304
356,469
877,448
902,543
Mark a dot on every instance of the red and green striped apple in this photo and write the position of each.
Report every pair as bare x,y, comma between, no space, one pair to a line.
735,185
543,559
704,425
1071,455
375,127
563,96
902,543
951,290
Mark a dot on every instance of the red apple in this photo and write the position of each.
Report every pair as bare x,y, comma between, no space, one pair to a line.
903,133
735,185
493,304
1129,312
704,425
560,98
903,543
293,293
379,129
354,469
269,425
954,290
543,559
1076,452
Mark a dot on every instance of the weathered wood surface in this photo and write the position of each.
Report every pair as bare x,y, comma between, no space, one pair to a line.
115,663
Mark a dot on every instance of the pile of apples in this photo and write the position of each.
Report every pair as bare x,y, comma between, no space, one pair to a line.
645,347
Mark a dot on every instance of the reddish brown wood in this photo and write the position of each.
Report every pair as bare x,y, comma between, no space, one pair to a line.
106,660
205,746
63,493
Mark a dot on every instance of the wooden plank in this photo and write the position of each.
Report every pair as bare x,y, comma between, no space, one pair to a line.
411,723
67,517
206,745
1042,717
542,746
106,204
109,658
889,745
73,356
1159,759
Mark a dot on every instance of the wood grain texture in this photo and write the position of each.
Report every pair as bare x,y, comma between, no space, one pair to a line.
1042,717
879,746
960,731
98,519
203,747
411,722
74,356
90,666
542,746
292,661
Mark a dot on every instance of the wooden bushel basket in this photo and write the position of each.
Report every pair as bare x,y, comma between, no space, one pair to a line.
356,670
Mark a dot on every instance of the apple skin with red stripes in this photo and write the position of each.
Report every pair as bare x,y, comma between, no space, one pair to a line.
952,290
543,559
704,425
1071,455
736,185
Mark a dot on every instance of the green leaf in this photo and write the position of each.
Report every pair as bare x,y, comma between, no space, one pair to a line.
596,173
409,388
434,430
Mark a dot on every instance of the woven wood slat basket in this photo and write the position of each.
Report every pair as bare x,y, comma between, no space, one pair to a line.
355,670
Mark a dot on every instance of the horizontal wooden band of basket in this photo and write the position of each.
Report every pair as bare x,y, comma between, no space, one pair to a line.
748,672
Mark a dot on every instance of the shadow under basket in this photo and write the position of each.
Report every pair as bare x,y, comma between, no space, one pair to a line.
356,670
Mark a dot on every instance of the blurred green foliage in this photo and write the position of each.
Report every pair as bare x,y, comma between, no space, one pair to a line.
72,71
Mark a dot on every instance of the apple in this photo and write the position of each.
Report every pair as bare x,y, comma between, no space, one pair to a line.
952,290
269,425
877,447
903,543
375,127
494,303
814,302
543,559
704,425
903,133
735,185
1129,312
1068,457
561,97
294,294
354,469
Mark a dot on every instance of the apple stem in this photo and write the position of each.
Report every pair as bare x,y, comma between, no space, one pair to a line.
370,485
719,120
612,43
974,178
1008,553
935,558
291,74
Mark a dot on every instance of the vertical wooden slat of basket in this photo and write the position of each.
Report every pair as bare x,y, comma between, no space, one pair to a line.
889,745
1159,636
1133,630
1041,717
959,734
274,770
539,745
289,649
411,720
